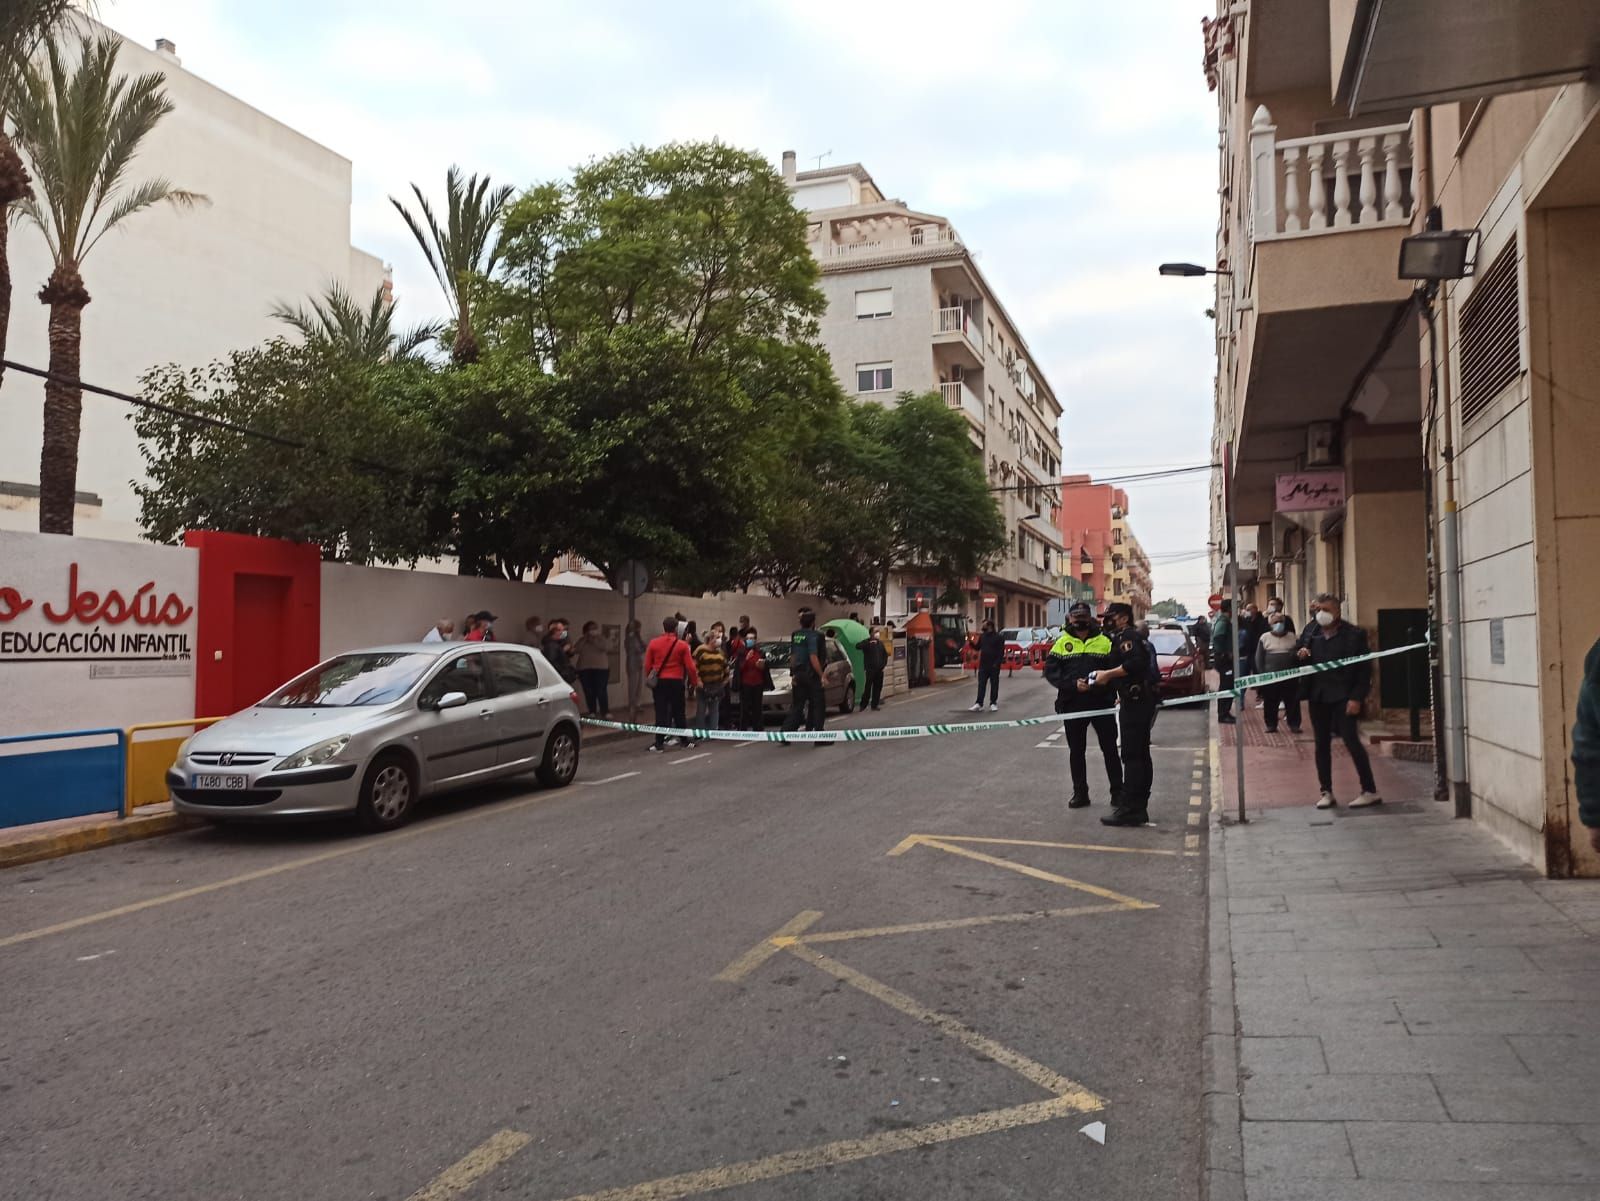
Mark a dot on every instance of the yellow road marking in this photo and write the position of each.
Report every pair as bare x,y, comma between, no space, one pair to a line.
476,1163
768,947
1194,819
1195,799
916,839
809,1159
1081,1099
352,848
1038,874
954,923
1191,842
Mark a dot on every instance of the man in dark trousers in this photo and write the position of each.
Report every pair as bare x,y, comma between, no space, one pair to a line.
991,654
1136,711
874,657
1222,650
1083,648
1586,748
806,702
1335,697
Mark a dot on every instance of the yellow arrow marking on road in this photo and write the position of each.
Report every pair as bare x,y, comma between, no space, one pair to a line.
1023,869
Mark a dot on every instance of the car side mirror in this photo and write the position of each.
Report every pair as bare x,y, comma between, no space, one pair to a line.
451,700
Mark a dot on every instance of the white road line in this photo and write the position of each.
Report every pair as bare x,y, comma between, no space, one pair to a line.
609,779
690,758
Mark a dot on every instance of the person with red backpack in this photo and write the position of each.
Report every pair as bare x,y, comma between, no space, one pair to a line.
755,681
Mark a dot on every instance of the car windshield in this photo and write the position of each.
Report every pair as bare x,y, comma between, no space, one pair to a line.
361,679
776,654
1011,635
1169,642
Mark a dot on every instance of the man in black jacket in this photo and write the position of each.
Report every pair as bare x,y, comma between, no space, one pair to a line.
874,657
1335,697
991,654
1129,673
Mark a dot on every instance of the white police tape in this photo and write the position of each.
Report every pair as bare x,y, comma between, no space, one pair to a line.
879,733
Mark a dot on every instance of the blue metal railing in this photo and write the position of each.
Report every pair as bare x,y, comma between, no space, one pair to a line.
70,781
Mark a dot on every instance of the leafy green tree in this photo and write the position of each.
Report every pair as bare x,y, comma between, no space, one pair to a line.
367,335
341,453
911,493
1169,608
23,25
462,251
81,125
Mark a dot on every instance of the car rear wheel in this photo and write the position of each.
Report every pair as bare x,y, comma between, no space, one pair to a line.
848,705
388,793
560,759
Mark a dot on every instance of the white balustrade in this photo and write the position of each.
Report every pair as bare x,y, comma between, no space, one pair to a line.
916,239
951,321
958,396
1347,180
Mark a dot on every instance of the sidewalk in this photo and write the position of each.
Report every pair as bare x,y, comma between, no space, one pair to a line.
1400,1010
50,840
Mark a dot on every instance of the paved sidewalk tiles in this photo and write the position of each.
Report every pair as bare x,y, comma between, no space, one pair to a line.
1417,1015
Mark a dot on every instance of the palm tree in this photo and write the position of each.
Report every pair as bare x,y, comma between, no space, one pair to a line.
23,23
367,335
466,248
80,124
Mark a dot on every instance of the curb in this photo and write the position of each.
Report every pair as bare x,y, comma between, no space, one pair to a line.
55,844
1222,1175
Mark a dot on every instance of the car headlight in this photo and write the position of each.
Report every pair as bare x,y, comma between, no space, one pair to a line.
313,755
1186,670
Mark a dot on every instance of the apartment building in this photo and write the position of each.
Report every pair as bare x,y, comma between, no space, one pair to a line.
177,287
1423,448
909,311
1111,565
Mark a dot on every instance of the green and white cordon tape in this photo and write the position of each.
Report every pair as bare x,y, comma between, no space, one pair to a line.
877,733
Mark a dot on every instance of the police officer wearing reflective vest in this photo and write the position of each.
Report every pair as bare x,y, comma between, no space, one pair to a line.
1129,673
1081,649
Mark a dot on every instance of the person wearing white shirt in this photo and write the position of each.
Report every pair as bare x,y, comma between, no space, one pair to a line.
441,631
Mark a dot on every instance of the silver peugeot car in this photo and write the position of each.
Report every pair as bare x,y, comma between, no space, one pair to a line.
373,731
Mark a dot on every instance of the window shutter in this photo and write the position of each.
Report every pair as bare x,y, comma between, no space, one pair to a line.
875,302
1491,348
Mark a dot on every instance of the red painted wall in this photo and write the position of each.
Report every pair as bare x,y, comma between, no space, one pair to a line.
260,617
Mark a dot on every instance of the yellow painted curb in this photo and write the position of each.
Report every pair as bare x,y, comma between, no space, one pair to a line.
87,838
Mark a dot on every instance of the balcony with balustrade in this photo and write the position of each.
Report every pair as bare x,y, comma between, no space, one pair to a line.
955,330
958,396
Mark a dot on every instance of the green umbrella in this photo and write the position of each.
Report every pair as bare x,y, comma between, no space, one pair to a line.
850,634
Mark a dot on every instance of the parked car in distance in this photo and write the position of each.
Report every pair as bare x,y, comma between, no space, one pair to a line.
1182,673
373,731
1020,641
838,678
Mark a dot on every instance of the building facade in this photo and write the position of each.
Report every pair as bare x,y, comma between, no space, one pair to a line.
1422,449
909,311
177,287
1111,566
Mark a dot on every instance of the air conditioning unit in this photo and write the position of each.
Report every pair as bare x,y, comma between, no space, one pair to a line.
1322,444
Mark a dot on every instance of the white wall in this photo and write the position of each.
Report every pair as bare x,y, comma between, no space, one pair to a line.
825,194
367,606
184,287
90,686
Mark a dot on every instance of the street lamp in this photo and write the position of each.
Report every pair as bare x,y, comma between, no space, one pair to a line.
1189,269
1438,254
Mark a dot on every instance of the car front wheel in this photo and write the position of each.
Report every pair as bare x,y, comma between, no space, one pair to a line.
560,759
848,705
388,793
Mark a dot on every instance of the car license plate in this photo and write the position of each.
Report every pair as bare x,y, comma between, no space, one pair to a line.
232,783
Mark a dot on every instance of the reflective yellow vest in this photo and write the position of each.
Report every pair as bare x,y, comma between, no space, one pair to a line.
1069,644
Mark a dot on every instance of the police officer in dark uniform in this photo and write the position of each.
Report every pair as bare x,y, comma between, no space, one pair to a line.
806,651
1136,703
1083,648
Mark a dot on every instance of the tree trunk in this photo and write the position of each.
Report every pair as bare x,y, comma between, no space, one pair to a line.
14,186
63,402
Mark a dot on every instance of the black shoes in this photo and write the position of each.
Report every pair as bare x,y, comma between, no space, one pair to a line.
1228,721
1078,802
1125,817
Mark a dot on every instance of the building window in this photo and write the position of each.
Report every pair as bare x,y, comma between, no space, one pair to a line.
874,377
991,335
992,402
1116,536
874,303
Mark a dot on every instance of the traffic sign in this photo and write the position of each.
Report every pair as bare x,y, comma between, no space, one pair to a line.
1215,600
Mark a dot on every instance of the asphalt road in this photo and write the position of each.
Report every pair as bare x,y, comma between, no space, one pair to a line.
549,995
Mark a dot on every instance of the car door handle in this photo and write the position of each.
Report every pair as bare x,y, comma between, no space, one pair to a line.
544,700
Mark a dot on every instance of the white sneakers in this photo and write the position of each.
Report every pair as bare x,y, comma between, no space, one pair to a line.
978,708
994,708
1365,800
1326,801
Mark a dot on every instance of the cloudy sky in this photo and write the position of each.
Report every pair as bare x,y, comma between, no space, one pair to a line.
1072,143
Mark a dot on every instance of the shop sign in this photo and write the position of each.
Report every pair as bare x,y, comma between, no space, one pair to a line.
81,617
1306,491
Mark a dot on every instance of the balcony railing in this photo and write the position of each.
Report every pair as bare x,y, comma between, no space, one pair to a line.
958,396
1355,179
957,321
916,239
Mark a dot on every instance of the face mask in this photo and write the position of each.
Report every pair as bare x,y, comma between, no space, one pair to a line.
1275,609
1280,627
1324,618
